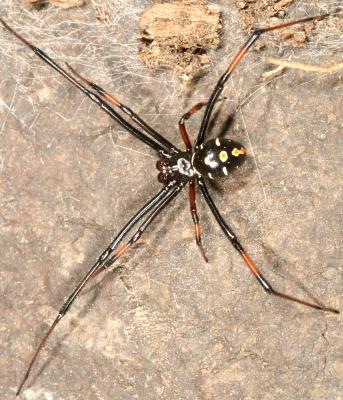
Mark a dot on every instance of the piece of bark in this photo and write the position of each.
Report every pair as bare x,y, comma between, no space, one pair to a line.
179,35
252,10
257,12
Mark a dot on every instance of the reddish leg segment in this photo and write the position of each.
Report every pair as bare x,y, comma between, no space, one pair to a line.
159,146
241,53
195,218
155,206
135,117
192,195
183,119
251,265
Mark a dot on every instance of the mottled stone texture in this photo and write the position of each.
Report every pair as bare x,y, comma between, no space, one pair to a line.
166,325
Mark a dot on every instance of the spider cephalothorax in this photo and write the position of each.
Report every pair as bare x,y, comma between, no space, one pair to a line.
176,168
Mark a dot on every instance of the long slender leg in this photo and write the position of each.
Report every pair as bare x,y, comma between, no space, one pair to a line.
156,203
136,118
237,245
182,126
185,117
158,146
172,194
192,194
195,218
223,79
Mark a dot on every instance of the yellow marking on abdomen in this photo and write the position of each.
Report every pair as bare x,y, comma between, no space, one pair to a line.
223,156
237,152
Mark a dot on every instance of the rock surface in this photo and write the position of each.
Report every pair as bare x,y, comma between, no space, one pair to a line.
166,325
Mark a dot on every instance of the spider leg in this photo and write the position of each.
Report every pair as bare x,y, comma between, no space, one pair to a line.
195,217
236,60
186,116
182,126
176,188
157,203
237,245
136,118
158,146
192,194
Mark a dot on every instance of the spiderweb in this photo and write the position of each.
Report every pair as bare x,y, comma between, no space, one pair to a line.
101,40
33,99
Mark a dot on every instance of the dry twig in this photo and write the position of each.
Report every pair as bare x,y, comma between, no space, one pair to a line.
283,64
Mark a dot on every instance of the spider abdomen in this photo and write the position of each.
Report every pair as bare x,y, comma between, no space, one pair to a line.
217,157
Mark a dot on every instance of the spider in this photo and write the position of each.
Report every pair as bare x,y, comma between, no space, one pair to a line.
212,159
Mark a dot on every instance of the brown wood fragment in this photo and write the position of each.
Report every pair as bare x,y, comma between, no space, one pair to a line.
267,13
179,35
253,10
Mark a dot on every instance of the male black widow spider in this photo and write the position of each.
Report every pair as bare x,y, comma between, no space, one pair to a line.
212,159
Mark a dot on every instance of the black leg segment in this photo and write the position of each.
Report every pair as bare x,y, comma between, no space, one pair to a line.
156,204
237,245
159,147
224,78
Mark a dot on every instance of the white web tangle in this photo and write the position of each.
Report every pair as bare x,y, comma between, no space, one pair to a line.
107,54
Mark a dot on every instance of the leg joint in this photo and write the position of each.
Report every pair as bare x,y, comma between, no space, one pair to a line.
265,284
236,244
